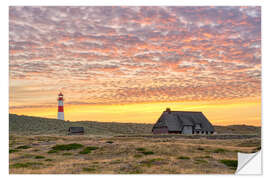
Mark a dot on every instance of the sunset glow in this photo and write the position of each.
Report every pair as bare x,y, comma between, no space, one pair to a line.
128,64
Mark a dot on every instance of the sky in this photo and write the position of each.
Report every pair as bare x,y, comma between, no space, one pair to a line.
128,63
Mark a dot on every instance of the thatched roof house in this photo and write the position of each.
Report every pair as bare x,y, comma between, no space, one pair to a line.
75,130
183,122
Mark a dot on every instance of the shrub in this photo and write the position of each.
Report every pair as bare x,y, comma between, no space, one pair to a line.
148,152
67,147
204,156
19,165
48,159
27,156
200,148
23,147
140,149
52,151
143,150
88,149
137,156
39,157
183,157
25,165
230,163
89,169
109,142
220,150
13,151
201,161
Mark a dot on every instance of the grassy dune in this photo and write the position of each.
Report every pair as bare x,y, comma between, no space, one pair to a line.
28,125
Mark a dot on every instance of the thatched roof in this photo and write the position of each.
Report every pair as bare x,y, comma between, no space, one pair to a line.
176,120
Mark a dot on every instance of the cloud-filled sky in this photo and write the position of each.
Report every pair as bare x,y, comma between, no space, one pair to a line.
133,55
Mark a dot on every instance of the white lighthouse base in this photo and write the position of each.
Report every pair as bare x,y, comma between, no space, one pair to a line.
60,116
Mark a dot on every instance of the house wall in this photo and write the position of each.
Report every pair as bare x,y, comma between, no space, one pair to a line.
162,130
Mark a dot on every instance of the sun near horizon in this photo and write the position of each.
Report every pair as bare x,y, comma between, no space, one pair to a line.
128,64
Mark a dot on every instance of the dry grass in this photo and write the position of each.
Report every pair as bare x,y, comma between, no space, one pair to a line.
41,146
126,155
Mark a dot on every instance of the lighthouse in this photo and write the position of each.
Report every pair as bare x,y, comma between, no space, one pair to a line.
60,106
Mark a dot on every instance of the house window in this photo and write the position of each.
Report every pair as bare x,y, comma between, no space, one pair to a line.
197,126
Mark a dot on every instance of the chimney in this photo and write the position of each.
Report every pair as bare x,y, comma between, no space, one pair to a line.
168,110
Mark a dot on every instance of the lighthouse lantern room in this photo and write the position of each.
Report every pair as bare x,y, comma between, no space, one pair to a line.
60,106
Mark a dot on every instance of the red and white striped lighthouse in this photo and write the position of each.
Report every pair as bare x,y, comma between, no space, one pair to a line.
60,106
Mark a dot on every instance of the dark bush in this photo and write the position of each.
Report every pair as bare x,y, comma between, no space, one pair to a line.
140,149
89,169
148,152
23,147
52,151
25,165
230,163
13,151
183,157
66,147
220,150
201,161
39,157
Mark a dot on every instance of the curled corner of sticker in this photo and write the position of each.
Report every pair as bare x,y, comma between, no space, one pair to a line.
249,164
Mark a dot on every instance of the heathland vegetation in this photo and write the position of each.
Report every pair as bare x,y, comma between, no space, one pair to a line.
42,146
